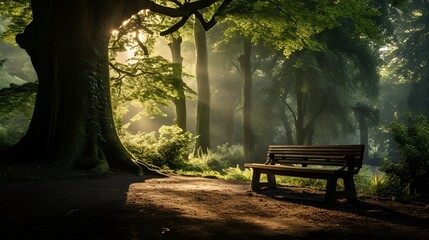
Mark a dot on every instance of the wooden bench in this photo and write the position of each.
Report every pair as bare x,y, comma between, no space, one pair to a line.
329,162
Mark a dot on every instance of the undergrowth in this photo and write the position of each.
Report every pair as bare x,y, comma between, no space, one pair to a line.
170,149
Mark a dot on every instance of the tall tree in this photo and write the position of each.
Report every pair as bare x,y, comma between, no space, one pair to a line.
180,101
304,93
223,86
246,78
72,123
366,117
202,129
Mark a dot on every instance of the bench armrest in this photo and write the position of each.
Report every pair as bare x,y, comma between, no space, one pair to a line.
270,161
350,164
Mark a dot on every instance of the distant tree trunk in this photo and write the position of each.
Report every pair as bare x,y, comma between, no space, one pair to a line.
229,102
203,105
366,117
309,133
363,131
299,123
246,73
229,117
363,127
180,102
287,126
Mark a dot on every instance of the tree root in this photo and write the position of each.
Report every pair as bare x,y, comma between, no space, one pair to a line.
151,170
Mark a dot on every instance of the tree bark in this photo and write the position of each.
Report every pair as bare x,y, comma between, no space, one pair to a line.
363,126
246,73
203,105
180,102
365,116
300,110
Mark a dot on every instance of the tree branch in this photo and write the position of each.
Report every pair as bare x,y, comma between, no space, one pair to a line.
141,45
316,115
220,10
175,27
206,25
288,106
183,10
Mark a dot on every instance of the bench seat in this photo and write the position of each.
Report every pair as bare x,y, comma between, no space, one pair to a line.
279,169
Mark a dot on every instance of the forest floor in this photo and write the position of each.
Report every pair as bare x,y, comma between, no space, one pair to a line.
51,203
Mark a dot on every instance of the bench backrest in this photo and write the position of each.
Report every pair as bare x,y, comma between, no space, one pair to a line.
331,155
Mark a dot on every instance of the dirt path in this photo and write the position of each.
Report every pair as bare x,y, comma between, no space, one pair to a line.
123,206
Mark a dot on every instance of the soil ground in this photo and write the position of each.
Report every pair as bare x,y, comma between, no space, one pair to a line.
44,203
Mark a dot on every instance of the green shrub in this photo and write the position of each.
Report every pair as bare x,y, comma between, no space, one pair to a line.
169,149
411,173
378,185
174,146
222,162
226,156
16,108
363,179
235,173
223,157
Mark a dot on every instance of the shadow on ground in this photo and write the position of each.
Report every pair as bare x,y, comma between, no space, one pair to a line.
123,206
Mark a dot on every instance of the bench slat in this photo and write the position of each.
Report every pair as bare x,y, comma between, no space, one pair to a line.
309,156
287,169
310,162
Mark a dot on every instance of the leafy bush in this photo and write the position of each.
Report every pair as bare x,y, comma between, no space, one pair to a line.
223,162
169,149
378,185
174,146
363,179
235,173
225,156
200,162
411,173
16,108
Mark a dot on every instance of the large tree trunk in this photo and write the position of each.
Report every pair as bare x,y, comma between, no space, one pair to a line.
246,71
72,123
203,105
180,102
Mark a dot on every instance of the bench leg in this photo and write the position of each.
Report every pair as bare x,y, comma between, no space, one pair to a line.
255,184
331,190
271,181
350,189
